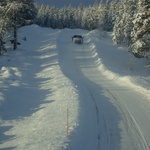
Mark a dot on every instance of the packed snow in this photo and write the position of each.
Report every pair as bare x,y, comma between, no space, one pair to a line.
58,95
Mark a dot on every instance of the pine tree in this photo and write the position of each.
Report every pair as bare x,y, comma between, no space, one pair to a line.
78,16
2,47
40,19
123,22
84,19
141,30
70,16
118,25
3,25
128,17
113,10
107,18
18,13
24,9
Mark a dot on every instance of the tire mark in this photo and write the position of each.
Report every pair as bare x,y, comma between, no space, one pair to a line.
100,125
97,117
135,135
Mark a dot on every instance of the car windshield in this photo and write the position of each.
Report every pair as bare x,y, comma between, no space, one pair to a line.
77,36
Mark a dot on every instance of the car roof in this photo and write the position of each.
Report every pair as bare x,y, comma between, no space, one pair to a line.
77,36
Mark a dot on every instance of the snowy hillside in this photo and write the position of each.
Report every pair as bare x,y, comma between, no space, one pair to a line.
62,3
56,95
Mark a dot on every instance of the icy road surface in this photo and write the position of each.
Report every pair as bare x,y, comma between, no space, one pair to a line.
108,110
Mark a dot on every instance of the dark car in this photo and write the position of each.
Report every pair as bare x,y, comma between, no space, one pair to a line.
78,39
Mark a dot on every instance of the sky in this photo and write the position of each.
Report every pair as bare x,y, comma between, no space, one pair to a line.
61,3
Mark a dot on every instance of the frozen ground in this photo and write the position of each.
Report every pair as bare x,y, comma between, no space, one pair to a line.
55,95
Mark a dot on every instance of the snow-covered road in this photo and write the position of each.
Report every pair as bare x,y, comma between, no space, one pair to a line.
111,118
106,110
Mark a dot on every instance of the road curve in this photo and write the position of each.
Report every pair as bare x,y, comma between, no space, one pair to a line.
108,121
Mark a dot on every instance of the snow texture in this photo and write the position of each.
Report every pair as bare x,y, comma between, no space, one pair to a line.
97,92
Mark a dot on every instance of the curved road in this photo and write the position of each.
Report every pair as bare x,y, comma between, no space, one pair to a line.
112,116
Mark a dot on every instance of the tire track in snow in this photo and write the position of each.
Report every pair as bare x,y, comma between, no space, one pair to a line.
134,135
97,117
86,57
102,122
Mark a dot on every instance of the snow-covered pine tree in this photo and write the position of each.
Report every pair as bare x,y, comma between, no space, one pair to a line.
101,15
123,22
95,15
107,18
78,16
41,15
70,16
3,25
18,13
118,25
25,10
128,17
62,17
55,18
37,18
112,10
141,30
2,47
46,18
91,18
1,42
84,21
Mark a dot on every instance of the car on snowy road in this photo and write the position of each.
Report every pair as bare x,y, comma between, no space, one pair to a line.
77,39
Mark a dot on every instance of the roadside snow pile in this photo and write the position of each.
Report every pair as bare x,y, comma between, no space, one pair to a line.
116,63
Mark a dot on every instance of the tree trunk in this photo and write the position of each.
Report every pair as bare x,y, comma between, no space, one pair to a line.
15,37
15,33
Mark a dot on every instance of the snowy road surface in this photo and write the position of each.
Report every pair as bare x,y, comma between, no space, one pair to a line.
108,110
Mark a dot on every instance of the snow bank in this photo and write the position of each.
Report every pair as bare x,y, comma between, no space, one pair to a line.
35,94
116,63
